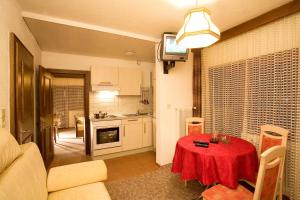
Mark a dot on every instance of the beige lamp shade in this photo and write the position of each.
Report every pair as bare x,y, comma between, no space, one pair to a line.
198,30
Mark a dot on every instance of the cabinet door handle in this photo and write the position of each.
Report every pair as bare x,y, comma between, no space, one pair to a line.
132,120
144,128
124,134
105,83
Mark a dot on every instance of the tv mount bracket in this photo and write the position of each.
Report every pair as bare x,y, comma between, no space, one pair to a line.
168,65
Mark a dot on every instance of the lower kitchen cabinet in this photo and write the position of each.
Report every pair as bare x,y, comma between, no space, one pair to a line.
147,132
132,134
137,133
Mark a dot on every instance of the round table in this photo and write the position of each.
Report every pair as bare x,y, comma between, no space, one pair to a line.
219,163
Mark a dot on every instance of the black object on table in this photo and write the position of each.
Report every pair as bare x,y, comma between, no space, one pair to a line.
199,142
202,145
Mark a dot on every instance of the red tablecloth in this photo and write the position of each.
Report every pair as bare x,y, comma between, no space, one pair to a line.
219,163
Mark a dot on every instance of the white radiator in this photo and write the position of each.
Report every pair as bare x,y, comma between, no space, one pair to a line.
181,115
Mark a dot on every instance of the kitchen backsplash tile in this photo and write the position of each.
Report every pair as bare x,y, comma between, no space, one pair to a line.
117,104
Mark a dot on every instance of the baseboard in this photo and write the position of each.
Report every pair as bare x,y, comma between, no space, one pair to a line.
123,153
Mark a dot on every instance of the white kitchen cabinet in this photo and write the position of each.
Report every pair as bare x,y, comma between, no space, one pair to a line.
132,134
130,80
147,132
104,75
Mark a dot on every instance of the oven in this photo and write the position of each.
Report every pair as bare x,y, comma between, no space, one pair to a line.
107,134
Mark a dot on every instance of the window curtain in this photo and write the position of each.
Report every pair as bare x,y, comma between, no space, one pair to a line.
227,96
246,94
65,99
273,99
278,36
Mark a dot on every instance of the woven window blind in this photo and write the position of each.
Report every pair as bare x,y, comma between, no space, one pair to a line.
246,94
65,99
227,94
273,99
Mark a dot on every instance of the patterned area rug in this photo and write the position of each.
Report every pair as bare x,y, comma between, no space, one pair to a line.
158,185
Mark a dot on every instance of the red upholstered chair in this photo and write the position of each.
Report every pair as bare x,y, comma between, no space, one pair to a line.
271,165
194,125
270,136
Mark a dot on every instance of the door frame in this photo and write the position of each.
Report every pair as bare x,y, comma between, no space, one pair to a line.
86,75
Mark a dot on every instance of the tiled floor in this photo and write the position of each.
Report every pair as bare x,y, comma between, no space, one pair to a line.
69,150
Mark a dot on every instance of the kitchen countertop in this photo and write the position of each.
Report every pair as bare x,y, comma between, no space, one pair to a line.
120,117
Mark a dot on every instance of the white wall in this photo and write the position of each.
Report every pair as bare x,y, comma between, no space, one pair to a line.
12,21
68,81
173,91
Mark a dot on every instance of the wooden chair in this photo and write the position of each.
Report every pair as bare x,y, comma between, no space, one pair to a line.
271,165
56,124
194,125
79,126
270,136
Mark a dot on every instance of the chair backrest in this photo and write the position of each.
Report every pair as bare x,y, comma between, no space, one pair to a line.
194,125
271,165
271,136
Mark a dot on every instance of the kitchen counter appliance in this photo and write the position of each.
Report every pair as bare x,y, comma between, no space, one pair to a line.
106,134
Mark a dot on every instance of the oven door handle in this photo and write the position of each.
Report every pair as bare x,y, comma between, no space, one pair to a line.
103,127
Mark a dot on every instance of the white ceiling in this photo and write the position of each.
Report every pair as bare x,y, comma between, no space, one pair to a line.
73,40
148,18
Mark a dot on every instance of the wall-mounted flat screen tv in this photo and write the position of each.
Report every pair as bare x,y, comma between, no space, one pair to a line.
171,51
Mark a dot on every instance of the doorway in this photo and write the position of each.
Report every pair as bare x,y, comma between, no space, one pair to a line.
67,124
68,116
85,75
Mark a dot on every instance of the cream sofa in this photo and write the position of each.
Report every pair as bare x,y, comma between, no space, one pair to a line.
24,177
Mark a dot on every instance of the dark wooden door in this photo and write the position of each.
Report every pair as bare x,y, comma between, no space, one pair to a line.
46,115
24,93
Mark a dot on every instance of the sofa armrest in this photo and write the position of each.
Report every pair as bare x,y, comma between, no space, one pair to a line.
73,175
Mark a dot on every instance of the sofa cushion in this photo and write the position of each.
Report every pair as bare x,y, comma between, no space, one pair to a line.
94,191
25,178
9,148
68,176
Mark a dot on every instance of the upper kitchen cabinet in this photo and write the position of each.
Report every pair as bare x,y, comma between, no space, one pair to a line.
101,75
130,80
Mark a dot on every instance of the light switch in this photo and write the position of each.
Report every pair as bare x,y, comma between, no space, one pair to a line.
3,118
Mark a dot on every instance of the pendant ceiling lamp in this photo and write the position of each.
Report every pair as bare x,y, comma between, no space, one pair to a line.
198,30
